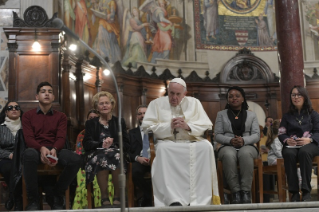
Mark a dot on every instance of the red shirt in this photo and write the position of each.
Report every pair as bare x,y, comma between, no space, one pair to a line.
44,130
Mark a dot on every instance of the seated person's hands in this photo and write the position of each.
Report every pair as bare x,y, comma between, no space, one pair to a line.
302,141
291,142
107,142
44,152
143,161
179,122
237,142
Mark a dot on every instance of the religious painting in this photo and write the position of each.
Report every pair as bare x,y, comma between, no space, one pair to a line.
235,24
127,31
9,3
3,41
4,66
310,11
7,17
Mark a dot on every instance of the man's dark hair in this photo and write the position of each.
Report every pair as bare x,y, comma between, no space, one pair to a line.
43,84
140,106
92,111
268,117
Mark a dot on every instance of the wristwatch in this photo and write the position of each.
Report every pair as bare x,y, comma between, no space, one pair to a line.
311,140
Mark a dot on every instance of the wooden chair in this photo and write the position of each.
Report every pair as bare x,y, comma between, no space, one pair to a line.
279,171
131,189
44,169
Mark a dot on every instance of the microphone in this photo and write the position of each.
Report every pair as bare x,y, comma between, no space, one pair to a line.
58,23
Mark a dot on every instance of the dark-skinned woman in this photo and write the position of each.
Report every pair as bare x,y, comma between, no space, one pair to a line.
299,134
237,130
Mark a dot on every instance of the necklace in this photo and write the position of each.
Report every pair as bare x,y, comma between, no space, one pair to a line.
236,116
105,126
299,120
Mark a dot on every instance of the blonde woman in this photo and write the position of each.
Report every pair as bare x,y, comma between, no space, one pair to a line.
101,144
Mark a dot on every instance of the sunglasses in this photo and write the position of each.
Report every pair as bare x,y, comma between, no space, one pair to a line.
16,107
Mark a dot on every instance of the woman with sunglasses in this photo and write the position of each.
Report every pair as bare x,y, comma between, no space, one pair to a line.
10,120
299,134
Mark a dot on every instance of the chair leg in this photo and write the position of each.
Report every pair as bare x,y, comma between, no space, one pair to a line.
24,194
253,188
220,181
67,198
280,182
260,181
89,195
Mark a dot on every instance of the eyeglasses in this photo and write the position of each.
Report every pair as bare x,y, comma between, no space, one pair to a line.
296,95
16,107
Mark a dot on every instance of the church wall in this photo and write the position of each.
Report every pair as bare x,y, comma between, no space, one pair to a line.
199,60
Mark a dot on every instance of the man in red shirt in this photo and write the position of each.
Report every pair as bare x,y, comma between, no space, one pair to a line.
45,134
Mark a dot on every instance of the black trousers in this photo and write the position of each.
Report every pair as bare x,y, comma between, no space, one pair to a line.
304,156
138,172
5,170
68,159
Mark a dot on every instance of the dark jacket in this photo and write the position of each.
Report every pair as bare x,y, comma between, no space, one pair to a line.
136,143
7,141
16,171
289,126
93,129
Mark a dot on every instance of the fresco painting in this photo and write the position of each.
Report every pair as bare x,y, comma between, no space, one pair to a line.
143,33
312,19
235,24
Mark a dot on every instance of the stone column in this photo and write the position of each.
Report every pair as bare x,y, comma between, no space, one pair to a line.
290,55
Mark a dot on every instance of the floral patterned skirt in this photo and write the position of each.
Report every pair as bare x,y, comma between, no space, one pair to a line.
101,159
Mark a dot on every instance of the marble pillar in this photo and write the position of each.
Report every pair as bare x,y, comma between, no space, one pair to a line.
290,55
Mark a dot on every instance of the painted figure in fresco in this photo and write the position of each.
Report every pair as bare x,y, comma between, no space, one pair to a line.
69,15
210,18
269,10
240,4
263,38
161,26
108,37
134,38
81,21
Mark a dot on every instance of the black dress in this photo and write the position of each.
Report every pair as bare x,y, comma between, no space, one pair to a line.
102,159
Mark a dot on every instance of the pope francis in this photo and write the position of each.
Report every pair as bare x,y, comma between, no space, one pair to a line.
183,171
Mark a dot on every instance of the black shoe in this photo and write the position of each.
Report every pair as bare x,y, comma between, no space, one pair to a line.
176,204
226,199
236,198
33,205
306,196
245,197
295,197
58,203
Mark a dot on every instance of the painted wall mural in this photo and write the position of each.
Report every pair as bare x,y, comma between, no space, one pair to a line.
6,8
235,24
122,32
311,15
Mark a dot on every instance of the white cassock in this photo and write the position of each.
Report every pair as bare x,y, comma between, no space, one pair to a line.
183,170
